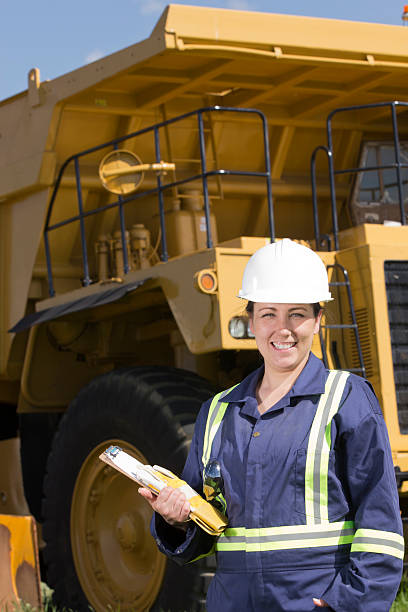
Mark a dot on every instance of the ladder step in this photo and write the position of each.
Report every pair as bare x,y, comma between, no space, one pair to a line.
343,326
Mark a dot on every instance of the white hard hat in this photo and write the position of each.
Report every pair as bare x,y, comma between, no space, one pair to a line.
285,272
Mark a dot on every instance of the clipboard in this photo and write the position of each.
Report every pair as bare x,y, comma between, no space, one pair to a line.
156,478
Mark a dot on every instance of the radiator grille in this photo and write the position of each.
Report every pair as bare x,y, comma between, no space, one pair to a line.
396,284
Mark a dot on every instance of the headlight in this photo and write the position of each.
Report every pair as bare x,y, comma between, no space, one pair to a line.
238,327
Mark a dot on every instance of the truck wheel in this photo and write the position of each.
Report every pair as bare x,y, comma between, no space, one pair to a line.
99,551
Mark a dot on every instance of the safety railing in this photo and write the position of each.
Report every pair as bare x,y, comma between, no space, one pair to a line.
329,152
159,190
339,269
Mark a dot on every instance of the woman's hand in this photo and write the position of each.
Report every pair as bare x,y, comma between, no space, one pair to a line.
320,603
170,503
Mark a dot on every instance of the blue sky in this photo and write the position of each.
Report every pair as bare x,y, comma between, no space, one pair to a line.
57,36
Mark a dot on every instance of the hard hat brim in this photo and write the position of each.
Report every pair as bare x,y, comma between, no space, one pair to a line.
268,297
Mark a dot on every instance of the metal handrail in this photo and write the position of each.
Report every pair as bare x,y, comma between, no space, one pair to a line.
159,189
353,325
318,237
328,149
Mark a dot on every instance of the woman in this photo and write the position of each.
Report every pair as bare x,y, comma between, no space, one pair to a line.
307,475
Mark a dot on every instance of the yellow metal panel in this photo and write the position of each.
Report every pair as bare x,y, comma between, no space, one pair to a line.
25,135
195,313
19,561
20,231
51,378
230,264
297,68
375,244
268,29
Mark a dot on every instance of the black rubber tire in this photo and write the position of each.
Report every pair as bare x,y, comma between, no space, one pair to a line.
9,421
36,434
152,408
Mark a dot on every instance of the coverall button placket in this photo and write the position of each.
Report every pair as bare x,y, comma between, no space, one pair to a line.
253,478
258,454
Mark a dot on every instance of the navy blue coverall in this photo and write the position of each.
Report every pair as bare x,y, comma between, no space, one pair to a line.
262,459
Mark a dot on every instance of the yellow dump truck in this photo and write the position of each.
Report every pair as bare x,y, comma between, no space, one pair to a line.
132,193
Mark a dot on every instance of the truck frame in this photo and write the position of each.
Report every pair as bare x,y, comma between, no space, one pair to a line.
133,191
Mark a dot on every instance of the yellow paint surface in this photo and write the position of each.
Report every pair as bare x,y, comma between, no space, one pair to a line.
22,542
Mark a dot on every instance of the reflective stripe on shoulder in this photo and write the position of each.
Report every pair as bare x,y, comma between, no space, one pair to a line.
286,537
317,459
376,541
215,415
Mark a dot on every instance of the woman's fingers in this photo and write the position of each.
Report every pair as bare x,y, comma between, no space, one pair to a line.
170,503
147,494
320,603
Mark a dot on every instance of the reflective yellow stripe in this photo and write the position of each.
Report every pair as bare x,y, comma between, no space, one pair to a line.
286,529
317,458
318,532
311,452
286,537
318,450
376,541
215,415
311,536
206,445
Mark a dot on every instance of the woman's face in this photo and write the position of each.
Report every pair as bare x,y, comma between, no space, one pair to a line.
284,334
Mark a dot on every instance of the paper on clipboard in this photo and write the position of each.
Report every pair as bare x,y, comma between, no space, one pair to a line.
157,478
132,468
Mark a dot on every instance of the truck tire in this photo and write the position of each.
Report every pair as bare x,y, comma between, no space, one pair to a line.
99,551
37,431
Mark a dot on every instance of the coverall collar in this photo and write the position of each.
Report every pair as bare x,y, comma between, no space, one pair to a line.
311,381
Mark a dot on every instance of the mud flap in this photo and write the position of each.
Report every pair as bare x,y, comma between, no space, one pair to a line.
20,575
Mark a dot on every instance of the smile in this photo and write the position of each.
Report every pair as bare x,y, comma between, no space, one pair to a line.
282,346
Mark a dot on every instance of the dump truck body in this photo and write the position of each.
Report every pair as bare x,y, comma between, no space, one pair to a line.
133,192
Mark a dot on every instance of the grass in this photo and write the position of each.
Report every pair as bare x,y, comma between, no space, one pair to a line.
400,604
48,606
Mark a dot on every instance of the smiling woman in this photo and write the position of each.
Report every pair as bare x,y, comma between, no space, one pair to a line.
284,335
304,467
